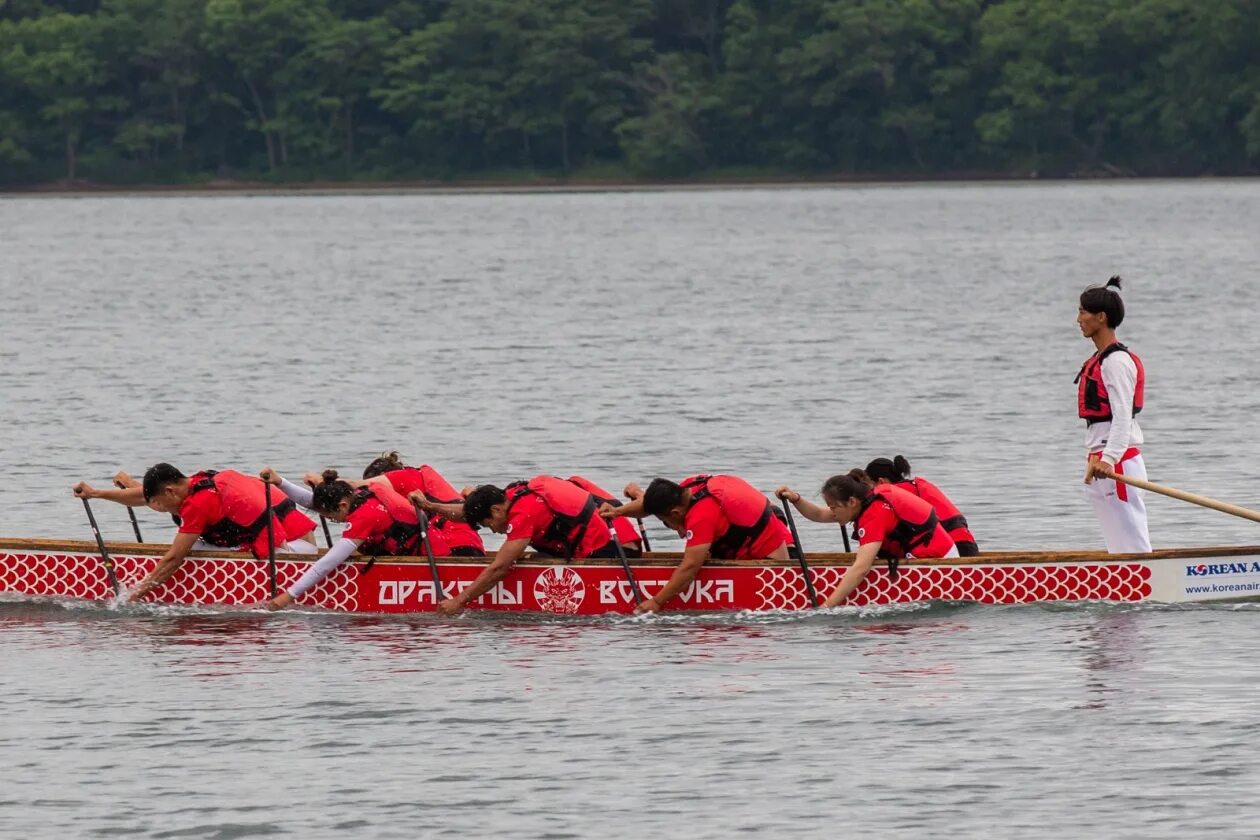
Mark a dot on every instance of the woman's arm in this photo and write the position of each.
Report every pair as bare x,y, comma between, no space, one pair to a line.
855,574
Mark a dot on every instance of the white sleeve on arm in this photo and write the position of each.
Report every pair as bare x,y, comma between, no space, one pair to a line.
319,570
299,493
1119,375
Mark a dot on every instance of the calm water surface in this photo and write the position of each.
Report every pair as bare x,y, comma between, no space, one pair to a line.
784,335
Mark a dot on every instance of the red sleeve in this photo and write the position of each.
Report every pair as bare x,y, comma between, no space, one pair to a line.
705,523
875,524
529,519
199,512
369,521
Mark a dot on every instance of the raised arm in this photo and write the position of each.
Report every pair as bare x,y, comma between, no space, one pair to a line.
299,493
129,496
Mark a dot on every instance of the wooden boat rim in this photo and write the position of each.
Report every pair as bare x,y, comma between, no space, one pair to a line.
820,559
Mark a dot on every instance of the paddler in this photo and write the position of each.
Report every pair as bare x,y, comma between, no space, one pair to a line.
214,508
897,473
379,521
719,516
461,538
556,517
1111,389
889,523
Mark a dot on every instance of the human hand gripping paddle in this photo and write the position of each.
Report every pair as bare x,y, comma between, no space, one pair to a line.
439,595
1192,498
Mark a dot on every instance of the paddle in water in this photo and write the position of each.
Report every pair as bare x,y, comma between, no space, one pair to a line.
106,560
439,594
271,540
800,553
625,564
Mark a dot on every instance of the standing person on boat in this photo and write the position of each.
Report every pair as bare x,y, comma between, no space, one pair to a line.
1111,389
720,516
554,516
221,508
378,521
897,473
890,523
462,539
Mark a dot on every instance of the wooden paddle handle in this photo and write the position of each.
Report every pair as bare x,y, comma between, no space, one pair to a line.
1192,498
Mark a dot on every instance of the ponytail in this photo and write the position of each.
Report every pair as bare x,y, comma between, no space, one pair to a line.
330,493
387,462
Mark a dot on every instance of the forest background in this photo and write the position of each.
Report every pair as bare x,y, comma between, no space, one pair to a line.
196,91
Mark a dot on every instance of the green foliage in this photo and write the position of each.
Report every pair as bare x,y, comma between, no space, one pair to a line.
173,90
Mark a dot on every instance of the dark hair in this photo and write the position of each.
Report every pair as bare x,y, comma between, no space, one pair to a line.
477,504
898,469
330,492
662,496
158,477
859,475
388,462
841,488
1105,299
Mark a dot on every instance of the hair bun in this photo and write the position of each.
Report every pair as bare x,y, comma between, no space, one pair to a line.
1113,283
330,476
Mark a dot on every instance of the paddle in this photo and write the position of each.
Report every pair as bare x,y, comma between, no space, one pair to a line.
106,560
647,546
625,564
800,553
131,512
327,535
439,594
1192,498
271,540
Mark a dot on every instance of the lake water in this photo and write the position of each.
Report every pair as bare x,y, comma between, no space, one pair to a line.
783,335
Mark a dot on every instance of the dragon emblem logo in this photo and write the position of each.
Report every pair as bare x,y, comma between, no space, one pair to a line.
559,589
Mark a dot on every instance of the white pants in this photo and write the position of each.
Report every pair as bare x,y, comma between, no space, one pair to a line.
1123,521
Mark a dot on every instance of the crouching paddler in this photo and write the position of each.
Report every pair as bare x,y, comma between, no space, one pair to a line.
214,508
720,516
378,520
554,516
889,523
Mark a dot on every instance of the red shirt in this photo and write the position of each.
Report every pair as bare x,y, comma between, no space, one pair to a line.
201,510
430,482
706,522
530,518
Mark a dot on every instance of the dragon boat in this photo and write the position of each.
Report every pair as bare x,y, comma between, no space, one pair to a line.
77,570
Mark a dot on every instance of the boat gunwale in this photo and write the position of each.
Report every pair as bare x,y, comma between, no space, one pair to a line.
822,559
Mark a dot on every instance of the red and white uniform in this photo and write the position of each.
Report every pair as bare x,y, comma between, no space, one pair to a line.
732,517
1111,391
430,482
626,532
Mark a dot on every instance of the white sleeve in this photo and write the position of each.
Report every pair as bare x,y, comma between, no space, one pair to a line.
1119,376
319,570
299,493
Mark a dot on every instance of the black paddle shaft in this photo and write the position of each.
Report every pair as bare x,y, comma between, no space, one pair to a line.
800,553
327,533
271,540
106,560
439,594
625,564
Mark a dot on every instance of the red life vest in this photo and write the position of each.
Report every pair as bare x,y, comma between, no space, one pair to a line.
745,508
402,537
624,527
951,518
573,511
1092,403
434,486
244,509
916,523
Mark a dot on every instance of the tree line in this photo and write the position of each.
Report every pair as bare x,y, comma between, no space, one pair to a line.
181,90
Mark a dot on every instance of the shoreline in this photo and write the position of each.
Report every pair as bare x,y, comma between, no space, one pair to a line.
222,186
